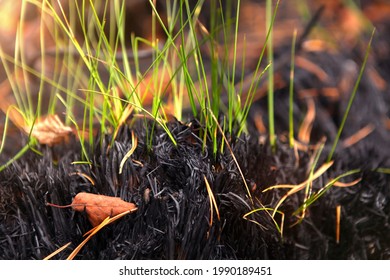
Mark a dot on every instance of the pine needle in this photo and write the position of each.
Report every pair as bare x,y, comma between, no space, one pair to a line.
57,251
213,202
95,230
338,216
130,152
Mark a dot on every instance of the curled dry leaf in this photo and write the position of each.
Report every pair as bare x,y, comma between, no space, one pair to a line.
100,207
49,130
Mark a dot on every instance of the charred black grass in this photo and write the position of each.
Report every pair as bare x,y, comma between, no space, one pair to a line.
172,221
166,181
167,184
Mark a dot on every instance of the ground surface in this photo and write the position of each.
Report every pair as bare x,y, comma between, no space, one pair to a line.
176,218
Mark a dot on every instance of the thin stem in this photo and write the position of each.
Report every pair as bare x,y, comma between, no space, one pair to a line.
291,91
351,99
270,55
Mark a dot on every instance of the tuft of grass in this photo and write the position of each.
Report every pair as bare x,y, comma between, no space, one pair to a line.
89,77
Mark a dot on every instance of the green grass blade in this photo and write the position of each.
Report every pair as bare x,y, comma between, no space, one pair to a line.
16,157
291,91
351,99
271,117
313,198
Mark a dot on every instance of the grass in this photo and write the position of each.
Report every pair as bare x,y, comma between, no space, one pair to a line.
352,97
191,65
270,56
291,92
88,76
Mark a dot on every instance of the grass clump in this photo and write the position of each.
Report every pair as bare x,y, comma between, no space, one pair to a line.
99,76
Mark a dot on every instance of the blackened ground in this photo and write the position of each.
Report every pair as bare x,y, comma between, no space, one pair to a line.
167,182
173,220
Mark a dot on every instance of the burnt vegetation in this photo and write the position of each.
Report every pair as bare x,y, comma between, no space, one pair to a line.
176,217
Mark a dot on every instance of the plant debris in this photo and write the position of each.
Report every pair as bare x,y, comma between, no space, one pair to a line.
49,130
172,198
99,207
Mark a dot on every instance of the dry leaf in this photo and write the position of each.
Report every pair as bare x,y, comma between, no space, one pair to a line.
49,130
100,207
101,210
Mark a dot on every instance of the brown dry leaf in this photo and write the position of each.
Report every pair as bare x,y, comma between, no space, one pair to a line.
49,130
102,210
100,207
